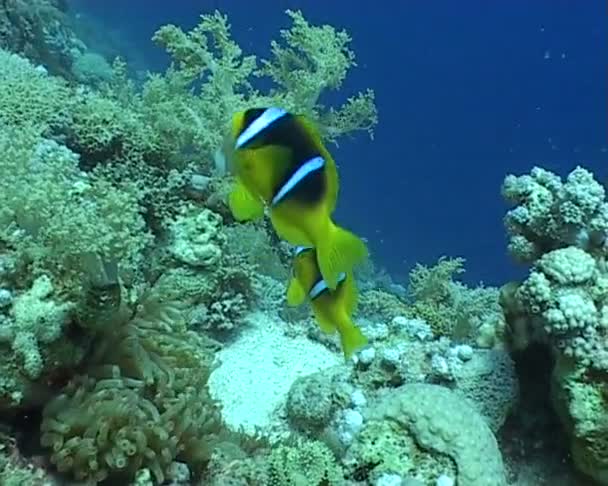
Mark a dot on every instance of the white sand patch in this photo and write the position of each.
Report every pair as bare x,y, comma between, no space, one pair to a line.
257,371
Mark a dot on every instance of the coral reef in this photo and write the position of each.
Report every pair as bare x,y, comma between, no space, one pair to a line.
147,329
560,227
119,260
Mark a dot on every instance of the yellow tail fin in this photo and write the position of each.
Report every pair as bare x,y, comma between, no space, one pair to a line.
243,205
352,339
339,251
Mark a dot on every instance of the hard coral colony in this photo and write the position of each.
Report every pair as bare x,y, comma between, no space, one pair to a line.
151,323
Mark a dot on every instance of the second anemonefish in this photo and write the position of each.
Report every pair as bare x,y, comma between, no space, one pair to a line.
281,163
333,309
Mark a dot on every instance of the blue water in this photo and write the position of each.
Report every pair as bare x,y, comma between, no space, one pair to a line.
467,91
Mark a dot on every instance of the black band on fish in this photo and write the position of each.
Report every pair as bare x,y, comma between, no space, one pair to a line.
321,286
259,125
305,170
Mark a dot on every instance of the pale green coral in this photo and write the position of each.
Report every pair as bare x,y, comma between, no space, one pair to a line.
582,404
489,381
14,471
28,95
379,304
198,117
91,68
382,447
434,283
103,130
56,215
313,59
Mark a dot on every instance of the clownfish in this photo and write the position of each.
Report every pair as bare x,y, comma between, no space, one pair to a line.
333,309
281,164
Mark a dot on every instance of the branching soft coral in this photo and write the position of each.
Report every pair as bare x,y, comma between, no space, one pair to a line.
29,96
211,78
450,307
208,52
209,58
313,59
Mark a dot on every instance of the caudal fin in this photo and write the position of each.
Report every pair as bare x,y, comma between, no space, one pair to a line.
338,252
352,339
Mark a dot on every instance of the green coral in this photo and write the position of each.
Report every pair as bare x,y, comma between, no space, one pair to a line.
196,237
581,402
56,216
379,304
311,60
40,31
197,117
256,246
91,68
103,130
28,95
314,399
16,471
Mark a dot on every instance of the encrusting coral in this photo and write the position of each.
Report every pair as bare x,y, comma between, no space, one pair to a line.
437,420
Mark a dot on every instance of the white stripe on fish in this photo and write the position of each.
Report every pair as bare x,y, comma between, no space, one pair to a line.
298,250
261,123
321,286
305,169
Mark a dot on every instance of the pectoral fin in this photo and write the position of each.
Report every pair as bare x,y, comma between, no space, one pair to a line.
244,205
295,293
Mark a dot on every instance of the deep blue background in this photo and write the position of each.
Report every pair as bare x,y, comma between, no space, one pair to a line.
467,91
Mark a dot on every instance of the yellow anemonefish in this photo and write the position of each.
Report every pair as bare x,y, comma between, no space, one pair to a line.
281,163
333,309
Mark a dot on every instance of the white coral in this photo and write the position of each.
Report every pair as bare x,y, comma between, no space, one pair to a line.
196,237
568,266
37,319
